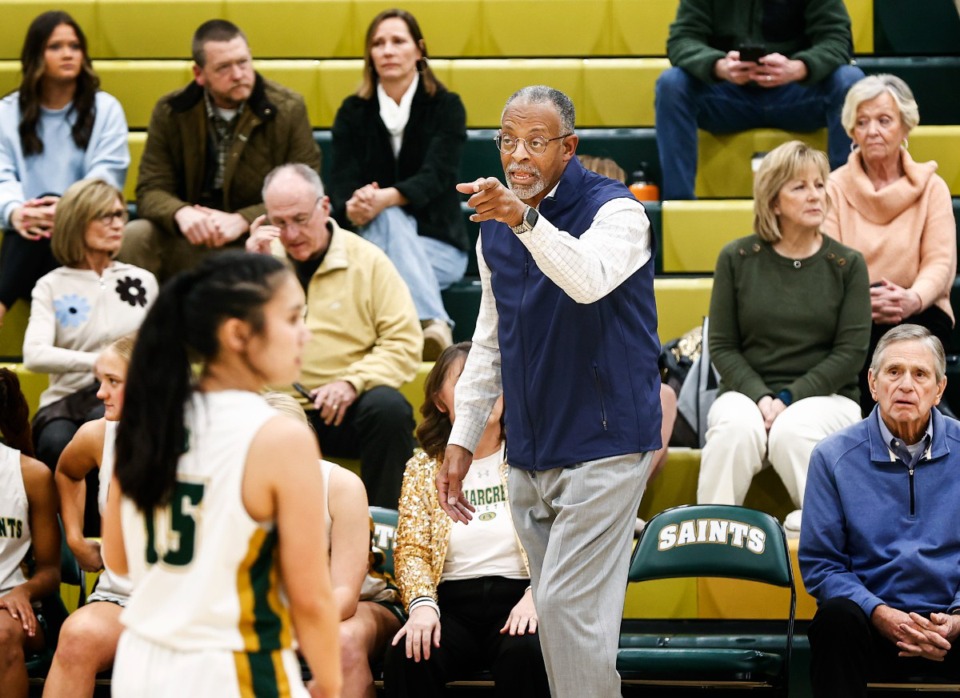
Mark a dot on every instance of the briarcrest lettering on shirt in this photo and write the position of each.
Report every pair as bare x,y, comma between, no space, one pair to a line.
712,531
11,527
486,496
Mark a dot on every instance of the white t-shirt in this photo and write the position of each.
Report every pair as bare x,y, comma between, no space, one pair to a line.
488,547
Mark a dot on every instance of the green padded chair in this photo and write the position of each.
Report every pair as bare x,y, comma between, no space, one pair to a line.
385,533
710,541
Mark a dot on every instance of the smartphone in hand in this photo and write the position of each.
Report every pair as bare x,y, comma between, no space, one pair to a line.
751,52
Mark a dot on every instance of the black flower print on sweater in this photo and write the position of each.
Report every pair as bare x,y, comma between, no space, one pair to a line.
132,291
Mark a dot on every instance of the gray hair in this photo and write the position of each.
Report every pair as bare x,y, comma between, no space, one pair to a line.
541,94
304,172
911,333
872,87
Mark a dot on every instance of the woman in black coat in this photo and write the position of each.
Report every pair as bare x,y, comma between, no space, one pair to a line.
397,145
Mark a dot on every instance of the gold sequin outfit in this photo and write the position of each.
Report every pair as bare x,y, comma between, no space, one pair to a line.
423,532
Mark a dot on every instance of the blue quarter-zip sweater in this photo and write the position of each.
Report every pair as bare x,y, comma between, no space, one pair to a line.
580,381
875,532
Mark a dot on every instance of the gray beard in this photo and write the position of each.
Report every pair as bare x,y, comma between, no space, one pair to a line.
527,192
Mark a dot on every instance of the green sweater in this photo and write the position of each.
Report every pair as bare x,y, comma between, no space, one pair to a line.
778,324
816,32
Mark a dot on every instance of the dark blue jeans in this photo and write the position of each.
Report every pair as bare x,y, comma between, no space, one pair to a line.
684,103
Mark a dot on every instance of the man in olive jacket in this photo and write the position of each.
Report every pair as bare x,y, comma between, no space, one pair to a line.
209,147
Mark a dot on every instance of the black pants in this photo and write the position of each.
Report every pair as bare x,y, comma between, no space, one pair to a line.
847,652
934,319
377,428
22,263
471,614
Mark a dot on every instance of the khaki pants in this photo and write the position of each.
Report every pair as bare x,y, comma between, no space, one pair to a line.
147,246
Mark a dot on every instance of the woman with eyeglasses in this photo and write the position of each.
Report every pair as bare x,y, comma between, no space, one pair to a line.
397,145
77,310
56,129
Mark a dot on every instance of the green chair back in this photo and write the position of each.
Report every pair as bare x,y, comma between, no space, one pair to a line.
713,541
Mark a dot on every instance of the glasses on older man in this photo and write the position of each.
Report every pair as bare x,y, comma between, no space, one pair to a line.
299,221
536,145
119,214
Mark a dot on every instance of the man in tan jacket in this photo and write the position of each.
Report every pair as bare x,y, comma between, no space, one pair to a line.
209,146
365,338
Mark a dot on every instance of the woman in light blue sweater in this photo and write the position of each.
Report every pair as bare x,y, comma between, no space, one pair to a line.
56,129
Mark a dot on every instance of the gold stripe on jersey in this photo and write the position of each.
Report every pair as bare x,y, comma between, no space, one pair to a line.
264,622
244,675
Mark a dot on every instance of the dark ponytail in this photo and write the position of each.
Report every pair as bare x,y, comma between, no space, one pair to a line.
14,413
179,328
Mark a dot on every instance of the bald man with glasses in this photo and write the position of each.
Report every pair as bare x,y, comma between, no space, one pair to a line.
567,332
365,338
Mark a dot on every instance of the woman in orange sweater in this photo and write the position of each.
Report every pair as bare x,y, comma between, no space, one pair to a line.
896,212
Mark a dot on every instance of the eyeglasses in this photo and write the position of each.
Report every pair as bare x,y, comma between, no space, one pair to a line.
118,215
299,221
536,145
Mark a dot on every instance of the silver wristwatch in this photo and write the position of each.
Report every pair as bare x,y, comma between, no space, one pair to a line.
529,220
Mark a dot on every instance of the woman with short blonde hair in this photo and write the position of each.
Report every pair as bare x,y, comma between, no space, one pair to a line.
80,308
789,323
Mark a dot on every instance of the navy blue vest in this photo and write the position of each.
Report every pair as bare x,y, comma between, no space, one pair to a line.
580,381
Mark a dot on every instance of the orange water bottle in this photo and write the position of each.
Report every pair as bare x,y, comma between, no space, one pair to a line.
642,188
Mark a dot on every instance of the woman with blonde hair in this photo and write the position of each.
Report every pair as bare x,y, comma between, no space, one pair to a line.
79,308
88,638
57,128
397,145
789,324
896,212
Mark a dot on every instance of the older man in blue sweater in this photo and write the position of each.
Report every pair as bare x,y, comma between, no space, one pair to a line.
880,541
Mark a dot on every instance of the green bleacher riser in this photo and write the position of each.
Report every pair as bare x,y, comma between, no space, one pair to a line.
930,79
906,27
31,384
724,165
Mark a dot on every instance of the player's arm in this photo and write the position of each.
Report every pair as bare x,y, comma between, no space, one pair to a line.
349,539
80,456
